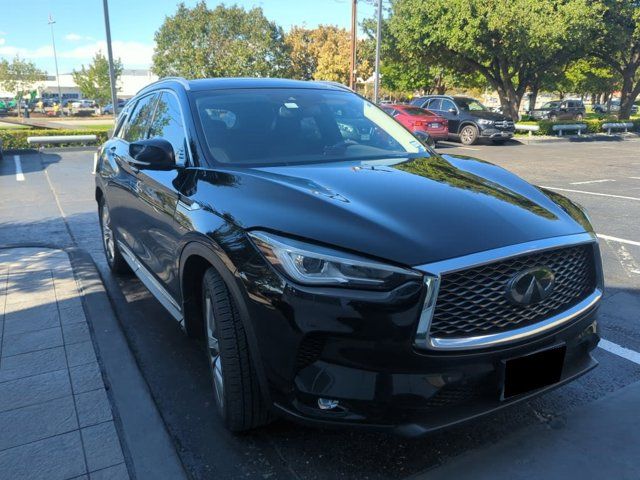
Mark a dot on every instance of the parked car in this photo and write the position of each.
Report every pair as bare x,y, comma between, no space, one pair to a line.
83,104
560,110
418,119
336,270
612,107
468,120
108,108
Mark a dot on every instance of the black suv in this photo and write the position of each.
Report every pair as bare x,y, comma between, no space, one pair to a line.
560,110
469,120
335,270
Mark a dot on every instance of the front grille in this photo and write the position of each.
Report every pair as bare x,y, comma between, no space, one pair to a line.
504,124
473,302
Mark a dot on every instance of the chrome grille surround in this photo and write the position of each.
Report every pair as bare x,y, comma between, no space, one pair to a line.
566,303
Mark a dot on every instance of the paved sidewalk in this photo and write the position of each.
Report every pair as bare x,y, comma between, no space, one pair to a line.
55,417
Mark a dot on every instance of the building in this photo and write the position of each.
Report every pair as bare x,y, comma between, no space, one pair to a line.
130,82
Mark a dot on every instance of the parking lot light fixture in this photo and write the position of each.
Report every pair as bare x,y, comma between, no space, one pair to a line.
112,76
55,60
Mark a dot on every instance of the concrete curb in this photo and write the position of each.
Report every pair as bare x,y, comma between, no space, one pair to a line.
149,450
598,137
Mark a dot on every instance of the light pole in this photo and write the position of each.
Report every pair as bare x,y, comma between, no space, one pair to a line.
112,76
55,60
354,26
376,79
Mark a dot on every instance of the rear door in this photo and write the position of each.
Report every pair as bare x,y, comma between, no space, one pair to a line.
449,111
157,191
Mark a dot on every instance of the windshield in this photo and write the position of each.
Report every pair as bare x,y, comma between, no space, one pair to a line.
470,104
550,105
276,126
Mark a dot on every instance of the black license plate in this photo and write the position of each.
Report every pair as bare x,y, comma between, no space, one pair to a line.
537,370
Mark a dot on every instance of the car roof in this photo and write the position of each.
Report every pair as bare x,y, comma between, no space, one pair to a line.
233,83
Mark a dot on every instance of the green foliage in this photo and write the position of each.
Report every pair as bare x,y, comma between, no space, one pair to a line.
508,43
593,126
94,82
17,138
19,76
224,42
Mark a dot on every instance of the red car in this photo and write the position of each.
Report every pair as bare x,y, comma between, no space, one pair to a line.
419,119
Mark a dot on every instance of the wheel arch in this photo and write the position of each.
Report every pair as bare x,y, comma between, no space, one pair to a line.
464,123
196,257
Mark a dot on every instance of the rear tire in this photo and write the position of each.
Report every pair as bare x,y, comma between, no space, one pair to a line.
579,117
115,260
469,135
235,383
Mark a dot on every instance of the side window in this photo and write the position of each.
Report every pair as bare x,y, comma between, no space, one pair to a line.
447,105
434,104
138,124
167,123
122,120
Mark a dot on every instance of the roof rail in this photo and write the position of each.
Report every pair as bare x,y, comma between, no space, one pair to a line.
180,80
335,84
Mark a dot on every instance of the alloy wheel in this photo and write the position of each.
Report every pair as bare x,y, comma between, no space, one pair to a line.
107,235
467,135
213,348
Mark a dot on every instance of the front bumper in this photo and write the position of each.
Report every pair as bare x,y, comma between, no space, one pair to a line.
495,133
360,348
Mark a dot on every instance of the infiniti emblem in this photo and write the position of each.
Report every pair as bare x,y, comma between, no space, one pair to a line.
530,286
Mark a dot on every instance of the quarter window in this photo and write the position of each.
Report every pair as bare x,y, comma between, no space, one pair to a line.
167,124
434,104
138,124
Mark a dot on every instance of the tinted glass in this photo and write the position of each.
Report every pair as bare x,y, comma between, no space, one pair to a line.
137,126
415,111
167,124
417,101
550,105
470,104
434,104
279,126
447,105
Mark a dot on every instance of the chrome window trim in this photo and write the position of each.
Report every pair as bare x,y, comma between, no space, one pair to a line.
422,338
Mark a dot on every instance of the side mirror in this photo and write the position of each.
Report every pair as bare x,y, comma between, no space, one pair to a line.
152,154
424,138
453,111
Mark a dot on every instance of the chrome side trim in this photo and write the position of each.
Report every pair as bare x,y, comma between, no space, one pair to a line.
464,343
502,253
151,283
422,339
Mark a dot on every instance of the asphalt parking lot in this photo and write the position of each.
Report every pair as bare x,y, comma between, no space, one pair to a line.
49,199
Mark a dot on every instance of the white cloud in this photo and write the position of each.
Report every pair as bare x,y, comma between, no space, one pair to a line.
132,54
73,37
2,41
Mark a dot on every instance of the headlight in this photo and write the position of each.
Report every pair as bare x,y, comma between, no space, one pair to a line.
484,121
315,265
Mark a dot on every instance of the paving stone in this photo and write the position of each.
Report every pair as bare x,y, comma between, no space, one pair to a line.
102,446
93,407
55,458
85,377
32,363
80,354
35,422
73,314
31,341
75,333
32,319
117,472
36,389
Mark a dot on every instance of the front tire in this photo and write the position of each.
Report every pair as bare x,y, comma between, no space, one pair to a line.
235,383
469,135
115,260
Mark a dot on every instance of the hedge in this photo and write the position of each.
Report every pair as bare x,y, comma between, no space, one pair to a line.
593,126
17,138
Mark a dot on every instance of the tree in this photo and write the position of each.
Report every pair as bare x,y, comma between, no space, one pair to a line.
618,46
322,53
94,81
224,42
508,43
19,76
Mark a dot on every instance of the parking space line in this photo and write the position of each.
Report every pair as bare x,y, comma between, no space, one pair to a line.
591,193
592,181
616,349
19,174
635,178
620,240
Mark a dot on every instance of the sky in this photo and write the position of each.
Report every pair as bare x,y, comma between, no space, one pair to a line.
79,26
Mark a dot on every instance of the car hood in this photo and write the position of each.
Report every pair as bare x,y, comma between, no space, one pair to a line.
495,116
408,211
